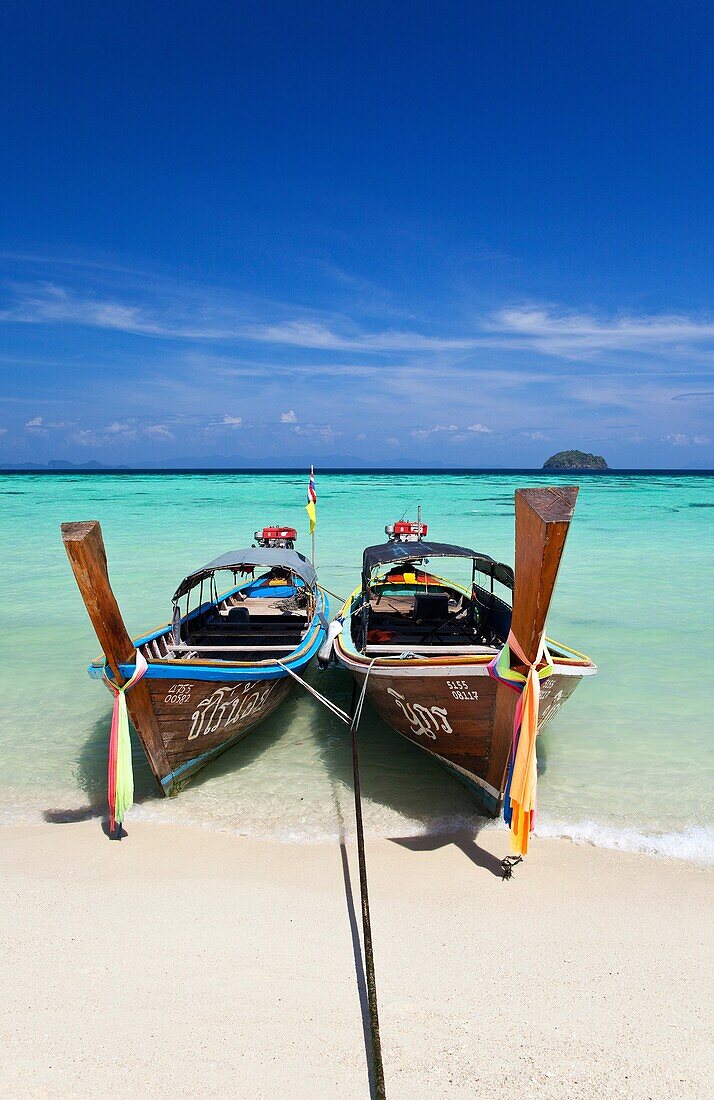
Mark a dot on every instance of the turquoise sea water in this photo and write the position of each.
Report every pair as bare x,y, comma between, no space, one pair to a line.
628,762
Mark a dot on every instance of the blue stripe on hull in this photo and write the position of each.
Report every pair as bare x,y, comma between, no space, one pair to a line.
228,672
225,673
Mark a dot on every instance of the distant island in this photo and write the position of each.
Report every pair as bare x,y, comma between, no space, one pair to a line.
575,460
58,464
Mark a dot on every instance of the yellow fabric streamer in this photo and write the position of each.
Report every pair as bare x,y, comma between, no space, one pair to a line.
524,777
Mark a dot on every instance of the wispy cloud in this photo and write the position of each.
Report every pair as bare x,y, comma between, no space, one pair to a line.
219,425
563,333
450,430
49,303
111,435
313,336
550,331
324,431
679,439
465,379
118,428
37,425
425,433
88,437
159,432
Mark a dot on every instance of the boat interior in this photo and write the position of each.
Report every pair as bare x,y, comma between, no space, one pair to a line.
265,620
420,612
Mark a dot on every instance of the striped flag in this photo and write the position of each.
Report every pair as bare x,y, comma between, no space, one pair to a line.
311,500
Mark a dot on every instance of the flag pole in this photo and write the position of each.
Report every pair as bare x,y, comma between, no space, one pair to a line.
310,508
312,483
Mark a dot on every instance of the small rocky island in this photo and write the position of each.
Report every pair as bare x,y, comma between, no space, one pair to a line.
575,460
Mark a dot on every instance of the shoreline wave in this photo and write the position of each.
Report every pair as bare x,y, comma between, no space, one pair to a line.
691,844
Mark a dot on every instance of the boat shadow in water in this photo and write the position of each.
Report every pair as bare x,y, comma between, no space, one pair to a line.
408,797
396,777
91,767
91,775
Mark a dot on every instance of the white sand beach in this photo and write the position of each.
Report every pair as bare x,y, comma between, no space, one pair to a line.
193,963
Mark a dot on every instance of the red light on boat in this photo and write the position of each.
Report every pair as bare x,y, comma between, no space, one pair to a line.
278,533
405,530
276,536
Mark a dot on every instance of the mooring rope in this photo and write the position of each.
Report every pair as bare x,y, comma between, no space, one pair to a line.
337,711
342,599
353,723
377,1066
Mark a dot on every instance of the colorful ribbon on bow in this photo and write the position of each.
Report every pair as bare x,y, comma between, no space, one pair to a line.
519,803
120,775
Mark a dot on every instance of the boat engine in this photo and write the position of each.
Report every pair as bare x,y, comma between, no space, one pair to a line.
405,530
283,537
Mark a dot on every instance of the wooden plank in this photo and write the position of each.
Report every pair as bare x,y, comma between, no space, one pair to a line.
85,549
198,717
444,715
543,518
424,651
554,692
183,647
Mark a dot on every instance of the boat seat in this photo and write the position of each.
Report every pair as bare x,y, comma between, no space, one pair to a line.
431,607
238,614
408,644
224,640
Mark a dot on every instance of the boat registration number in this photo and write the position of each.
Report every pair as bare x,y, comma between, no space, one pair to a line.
178,693
461,690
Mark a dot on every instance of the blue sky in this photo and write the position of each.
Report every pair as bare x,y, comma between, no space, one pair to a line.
470,234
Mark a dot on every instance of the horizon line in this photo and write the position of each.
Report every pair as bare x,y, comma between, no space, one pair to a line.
262,470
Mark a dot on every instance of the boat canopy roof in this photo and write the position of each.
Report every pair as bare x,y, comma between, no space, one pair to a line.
395,552
264,557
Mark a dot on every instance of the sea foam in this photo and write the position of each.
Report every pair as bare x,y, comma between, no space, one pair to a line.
694,844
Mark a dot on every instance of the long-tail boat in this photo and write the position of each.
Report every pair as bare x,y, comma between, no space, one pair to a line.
220,666
430,647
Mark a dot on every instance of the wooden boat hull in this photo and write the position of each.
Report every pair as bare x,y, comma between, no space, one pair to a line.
198,720
449,710
195,712
425,651
195,700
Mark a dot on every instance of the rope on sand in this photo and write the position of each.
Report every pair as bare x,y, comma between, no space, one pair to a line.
507,865
353,721
377,1066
